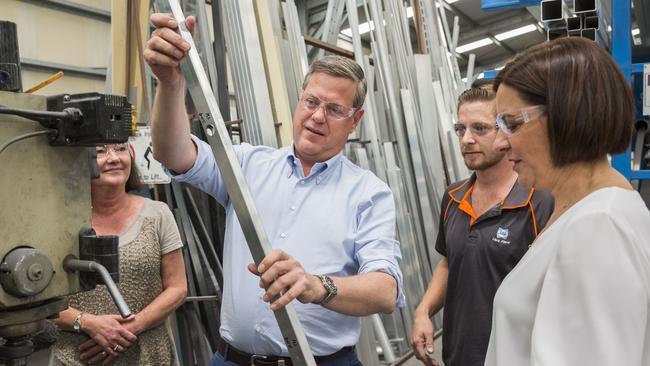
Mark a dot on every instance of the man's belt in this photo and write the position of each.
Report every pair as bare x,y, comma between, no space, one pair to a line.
234,355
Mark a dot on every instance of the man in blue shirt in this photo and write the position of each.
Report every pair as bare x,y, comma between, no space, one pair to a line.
331,224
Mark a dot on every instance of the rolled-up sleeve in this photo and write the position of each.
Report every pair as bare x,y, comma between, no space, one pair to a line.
204,174
377,249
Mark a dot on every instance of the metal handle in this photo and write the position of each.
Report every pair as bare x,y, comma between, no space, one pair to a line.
73,264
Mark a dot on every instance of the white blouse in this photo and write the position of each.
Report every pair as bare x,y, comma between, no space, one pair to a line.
581,294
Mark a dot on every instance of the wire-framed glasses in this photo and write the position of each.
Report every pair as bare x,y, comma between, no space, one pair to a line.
335,111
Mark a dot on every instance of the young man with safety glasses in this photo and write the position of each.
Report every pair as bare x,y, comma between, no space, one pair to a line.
487,223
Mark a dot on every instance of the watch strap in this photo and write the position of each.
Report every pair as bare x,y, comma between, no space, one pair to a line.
330,287
76,325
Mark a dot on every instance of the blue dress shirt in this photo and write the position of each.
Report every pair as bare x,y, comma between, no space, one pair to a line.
340,220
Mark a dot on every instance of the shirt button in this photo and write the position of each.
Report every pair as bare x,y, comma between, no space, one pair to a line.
292,208
302,182
283,235
258,328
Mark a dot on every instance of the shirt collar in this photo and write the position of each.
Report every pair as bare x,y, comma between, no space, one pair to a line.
321,169
518,197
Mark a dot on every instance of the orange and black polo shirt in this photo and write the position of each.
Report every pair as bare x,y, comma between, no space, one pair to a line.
481,251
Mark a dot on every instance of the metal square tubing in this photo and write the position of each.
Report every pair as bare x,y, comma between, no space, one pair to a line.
551,10
584,6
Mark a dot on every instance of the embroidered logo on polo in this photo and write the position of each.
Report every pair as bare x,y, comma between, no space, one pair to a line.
501,236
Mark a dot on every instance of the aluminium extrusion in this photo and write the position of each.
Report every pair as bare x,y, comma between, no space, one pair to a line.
470,70
408,242
249,76
382,338
551,10
366,347
426,215
370,124
296,47
396,112
430,126
332,23
584,6
241,197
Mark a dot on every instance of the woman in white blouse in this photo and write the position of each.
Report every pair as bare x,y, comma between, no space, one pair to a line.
581,294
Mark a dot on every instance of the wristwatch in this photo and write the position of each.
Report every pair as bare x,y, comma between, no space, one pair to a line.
330,287
77,323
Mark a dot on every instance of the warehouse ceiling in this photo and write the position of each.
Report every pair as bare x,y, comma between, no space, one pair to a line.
488,28
475,25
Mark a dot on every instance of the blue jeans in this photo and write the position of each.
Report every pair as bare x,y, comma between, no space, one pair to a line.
349,359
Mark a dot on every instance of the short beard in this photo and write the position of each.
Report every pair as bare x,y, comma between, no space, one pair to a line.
483,165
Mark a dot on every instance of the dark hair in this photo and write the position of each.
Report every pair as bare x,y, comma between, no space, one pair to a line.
341,67
589,104
134,183
482,93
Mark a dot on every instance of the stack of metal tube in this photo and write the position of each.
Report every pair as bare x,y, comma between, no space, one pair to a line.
577,18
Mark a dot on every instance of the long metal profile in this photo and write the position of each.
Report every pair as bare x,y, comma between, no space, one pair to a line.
247,66
198,85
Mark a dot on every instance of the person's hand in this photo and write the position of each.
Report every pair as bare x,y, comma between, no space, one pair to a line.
422,339
94,354
108,337
133,323
166,48
282,275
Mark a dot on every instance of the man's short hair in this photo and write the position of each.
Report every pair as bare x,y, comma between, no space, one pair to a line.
589,104
341,67
481,93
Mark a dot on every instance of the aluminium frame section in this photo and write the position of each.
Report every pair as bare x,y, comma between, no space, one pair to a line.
249,75
370,127
238,190
418,288
412,123
382,59
405,230
377,327
331,26
295,49
204,44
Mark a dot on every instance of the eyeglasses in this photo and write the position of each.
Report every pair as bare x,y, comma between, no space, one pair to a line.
509,123
311,103
117,149
477,128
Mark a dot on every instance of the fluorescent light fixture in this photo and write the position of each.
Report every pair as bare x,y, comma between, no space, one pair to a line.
365,27
474,45
516,32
